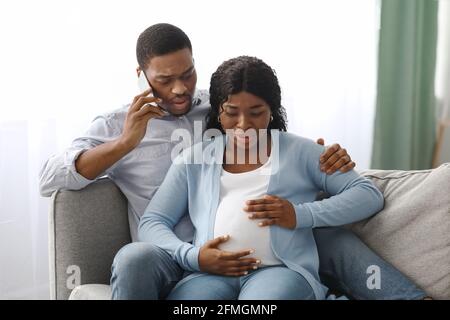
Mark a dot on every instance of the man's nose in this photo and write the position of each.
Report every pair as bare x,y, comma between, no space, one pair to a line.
179,88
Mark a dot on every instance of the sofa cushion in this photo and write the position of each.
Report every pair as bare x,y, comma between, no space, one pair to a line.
91,292
412,232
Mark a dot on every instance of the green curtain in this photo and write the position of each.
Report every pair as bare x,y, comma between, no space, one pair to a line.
405,120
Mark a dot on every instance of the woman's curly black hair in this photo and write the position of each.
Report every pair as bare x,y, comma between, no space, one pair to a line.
247,74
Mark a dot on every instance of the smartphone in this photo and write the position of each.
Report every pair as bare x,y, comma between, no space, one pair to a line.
143,82
144,85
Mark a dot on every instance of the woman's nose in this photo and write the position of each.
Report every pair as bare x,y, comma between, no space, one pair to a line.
243,122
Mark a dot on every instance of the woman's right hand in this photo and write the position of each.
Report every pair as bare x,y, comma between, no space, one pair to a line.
216,261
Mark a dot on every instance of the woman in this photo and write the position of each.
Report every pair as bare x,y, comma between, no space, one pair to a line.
252,195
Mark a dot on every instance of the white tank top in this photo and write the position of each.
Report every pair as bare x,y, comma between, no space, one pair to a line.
231,219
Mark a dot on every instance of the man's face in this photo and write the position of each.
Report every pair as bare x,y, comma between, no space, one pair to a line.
173,79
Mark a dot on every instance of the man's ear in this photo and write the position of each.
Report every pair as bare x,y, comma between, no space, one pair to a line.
138,71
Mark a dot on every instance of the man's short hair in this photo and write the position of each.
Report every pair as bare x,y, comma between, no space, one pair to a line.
160,39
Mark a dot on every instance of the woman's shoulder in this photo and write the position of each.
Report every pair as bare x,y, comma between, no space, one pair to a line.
295,143
294,138
195,154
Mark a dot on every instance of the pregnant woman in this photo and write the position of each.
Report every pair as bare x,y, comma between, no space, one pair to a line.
252,194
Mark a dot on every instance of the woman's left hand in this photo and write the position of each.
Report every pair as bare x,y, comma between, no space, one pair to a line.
272,210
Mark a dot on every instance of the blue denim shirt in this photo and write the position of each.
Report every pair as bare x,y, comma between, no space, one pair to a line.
138,174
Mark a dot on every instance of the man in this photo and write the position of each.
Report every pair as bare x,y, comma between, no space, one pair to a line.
132,146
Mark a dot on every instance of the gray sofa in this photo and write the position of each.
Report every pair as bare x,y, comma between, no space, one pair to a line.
89,226
86,229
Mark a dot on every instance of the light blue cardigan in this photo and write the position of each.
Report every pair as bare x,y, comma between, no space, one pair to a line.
296,176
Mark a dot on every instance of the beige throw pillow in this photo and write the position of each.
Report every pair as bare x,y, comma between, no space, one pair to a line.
412,232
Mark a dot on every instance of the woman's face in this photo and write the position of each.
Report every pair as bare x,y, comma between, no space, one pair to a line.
243,115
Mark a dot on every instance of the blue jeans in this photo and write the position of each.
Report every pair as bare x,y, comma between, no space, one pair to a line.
267,283
144,271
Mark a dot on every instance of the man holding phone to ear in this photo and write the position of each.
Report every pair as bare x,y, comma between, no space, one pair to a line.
132,146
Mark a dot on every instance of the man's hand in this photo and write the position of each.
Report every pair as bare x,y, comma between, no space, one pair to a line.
335,158
216,261
140,112
273,210
93,162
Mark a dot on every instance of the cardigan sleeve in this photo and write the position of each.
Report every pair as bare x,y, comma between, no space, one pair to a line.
353,197
167,207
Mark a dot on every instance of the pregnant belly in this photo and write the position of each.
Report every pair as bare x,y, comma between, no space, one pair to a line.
244,233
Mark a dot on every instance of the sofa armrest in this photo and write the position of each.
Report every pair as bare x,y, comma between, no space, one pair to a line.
86,229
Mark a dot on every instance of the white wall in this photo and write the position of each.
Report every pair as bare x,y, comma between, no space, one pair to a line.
443,61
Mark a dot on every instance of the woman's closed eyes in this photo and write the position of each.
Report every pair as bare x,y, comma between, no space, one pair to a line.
232,112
